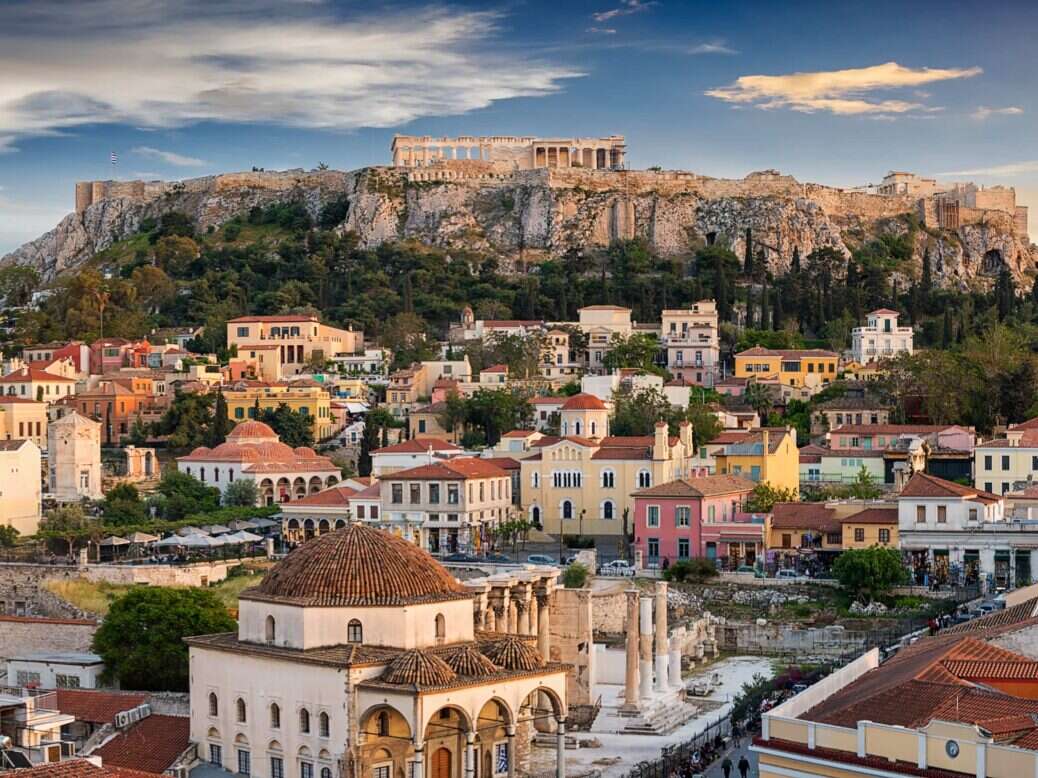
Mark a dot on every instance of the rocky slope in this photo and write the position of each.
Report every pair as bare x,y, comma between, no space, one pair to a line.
526,216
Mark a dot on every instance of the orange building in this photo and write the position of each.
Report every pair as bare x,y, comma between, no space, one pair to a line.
116,403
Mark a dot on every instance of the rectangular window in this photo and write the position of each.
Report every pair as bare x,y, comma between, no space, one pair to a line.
654,548
987,461
360,511
421,425
416,493
920,513
277,767
834,538
652,516
942,514
884,536
1034,461
243,332
244,762
215,755
453,494
987,486
683,548
26,678
682,516
973,514
859,534
66,681
434,494
1005,461
787,541
397,497
306,770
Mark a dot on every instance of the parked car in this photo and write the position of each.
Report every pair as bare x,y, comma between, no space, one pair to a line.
497,558
788,574
750,569
541,559
460,557
618,567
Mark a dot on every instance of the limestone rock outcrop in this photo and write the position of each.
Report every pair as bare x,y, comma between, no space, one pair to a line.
525,216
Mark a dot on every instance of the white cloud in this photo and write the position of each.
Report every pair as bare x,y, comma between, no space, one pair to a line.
602,30
983,112
844,92
169,157
626,8
998,171
716,47
301,63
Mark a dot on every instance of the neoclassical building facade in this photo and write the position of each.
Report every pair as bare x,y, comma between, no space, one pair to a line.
359,655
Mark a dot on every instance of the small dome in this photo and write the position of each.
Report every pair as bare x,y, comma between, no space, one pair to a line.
357,566
304,453
200,451
467,660
251,430
583,402
272,449
513,653
227,450
418,668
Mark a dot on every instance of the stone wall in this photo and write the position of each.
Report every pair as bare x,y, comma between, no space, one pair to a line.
22,591
572,642
28,634
200,574
789,640
609,610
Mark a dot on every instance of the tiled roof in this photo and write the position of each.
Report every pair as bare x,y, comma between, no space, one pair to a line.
495,369
467,660
418,668
926,485
341,655
804,515
519,433
417,446
505,463
704,486
513,653
885,312
795,353
872,516
9,399
1015,615
457,469
357,566
97,707
756,438
77,768
336,495
33,374
45,620
151,745
288,317
13,445
583,402
1028,439
851,404
547,400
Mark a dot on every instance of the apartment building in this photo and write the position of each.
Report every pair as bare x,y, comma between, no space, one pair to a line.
600,323
35,384
449,506
689,336
23,419
299,338
306,397
800,368
767,455
880,338
1009,463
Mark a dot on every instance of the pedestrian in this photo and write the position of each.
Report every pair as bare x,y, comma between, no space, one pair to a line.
744,766
726,767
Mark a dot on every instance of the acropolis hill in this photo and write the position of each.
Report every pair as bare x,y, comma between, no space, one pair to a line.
550,196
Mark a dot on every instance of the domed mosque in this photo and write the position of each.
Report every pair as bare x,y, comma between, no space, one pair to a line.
254,452
360,655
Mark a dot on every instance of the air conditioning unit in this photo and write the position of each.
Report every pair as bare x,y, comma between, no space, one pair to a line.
145,710
134,714
180,772
122,719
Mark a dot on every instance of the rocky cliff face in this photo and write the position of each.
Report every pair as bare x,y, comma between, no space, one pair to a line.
530,215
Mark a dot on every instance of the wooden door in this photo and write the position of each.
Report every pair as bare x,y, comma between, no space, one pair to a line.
441,764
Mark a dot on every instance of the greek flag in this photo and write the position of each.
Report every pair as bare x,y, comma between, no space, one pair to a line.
114,157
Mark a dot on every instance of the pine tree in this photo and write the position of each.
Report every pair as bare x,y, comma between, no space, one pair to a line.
368,443
748,260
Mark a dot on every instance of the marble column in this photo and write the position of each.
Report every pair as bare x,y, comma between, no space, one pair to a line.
490,620
510,732
560,749
645,658
470,755
675,664
513,616
500,617
543,627
631,676
535,614
662,644
419,761
522,609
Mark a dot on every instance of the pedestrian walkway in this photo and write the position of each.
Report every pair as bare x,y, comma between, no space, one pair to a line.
715,771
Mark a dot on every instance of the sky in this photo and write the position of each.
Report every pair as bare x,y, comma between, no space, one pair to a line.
831,92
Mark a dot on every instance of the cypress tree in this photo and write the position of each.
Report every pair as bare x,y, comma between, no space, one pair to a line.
749,307
765,317
946,333
776,314
795,264
927,282
221,423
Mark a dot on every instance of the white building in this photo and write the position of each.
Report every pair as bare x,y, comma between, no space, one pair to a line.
20,491
359,655
74,458
412,453
880,338
254,452
44,670
689,336
954,533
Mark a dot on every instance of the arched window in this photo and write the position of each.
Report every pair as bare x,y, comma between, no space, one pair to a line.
383,724
441,627
201,474
216,474
354,632
323,726
535,515
239,707
608,479
535,479
214,704
275,716
607,509
270,632
594,429
576,427
567,509
304,721
326,772
644,479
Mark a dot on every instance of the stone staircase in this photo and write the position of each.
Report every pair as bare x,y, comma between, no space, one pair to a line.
660,715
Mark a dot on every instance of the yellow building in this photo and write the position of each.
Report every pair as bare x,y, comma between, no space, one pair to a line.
307,397
23,419
299,338
764,455
870,527
810,368
576,485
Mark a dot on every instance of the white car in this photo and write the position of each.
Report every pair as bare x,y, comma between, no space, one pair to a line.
788,574
618,567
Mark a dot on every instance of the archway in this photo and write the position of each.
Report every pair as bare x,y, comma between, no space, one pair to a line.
267,491
446,739
308,529
299,488
283,489
385,742
315,484
323,526
494,747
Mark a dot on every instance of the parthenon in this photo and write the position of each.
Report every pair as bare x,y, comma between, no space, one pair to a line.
517,152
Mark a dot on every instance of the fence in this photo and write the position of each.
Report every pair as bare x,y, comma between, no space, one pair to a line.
707,746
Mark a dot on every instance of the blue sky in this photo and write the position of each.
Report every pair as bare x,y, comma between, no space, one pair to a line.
836,93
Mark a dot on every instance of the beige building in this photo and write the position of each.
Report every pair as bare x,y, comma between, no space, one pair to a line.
35,384
360,655
449,506
577,485
23,419
74,458
20,491
510,152
299,339
600,323
301,396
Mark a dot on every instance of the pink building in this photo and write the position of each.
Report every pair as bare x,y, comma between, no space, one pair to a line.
878,437
677,520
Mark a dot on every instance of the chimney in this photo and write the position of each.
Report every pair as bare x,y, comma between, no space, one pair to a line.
685,435
660,443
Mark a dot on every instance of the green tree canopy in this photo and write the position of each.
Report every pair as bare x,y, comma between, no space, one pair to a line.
294,428
183,495
142,638
764,497
867,573
241,492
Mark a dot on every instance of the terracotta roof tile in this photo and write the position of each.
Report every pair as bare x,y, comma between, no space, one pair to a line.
703,486
337,495
872,516
151,745
418,668
96,707
458,469
513,653
926,485
804,515
77,768
583,402
418,446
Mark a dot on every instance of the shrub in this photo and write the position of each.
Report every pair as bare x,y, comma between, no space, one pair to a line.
575,576
695,570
